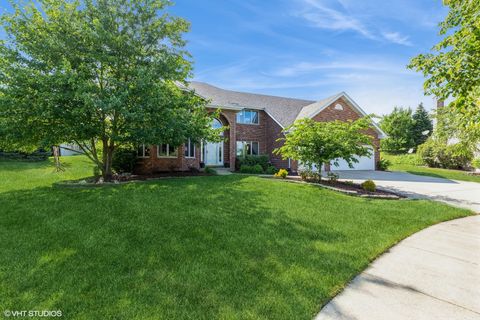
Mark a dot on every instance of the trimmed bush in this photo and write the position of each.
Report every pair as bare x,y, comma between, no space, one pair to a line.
282,173
438,154
124,160
383,164
262,160
209,170
369,186
271,170
256,169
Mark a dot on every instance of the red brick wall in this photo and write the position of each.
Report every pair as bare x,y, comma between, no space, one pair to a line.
348,113
254,132
273,132
157,164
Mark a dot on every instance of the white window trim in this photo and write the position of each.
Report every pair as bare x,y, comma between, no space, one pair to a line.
245,142
168,152
251,123
143,156
188,148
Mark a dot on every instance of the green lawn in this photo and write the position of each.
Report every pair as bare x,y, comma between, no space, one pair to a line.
228,247
409,163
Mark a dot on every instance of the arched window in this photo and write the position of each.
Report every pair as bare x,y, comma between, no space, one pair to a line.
216,124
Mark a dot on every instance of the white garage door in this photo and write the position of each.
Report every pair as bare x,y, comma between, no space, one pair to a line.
364,163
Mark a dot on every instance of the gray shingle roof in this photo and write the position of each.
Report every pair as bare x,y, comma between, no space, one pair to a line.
284,110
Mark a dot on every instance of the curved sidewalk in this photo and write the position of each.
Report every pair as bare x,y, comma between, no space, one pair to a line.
433,274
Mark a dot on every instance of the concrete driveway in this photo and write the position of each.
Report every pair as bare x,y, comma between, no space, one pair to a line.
434,274
458,193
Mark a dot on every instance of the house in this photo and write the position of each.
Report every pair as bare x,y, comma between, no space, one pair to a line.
255,122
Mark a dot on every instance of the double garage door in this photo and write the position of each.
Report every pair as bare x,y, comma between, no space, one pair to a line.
364,163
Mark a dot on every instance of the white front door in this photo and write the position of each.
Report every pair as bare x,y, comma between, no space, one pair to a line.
214,153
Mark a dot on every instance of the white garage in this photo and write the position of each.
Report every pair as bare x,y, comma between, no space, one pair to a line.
364,163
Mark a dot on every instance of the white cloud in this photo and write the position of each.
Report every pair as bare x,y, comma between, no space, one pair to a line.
324,17
397,38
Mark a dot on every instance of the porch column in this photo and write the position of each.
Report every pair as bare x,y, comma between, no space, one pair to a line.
233,141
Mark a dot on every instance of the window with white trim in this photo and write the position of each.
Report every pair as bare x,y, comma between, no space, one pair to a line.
248,117
247,148
166,151
189,151
143,151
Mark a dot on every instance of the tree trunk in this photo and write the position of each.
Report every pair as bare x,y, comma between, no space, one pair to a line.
107,160
56,158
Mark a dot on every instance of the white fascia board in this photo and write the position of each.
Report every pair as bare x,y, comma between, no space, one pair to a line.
281,126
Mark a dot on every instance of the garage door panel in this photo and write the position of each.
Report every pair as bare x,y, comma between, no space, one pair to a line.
364,163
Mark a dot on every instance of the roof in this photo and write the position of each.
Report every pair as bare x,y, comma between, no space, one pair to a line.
283,110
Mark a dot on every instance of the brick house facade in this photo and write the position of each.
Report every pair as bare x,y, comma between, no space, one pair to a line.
259,136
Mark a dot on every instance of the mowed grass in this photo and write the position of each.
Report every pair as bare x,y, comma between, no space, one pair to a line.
409,163
220,247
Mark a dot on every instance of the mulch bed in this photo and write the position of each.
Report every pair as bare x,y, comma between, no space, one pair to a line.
120,179
353,189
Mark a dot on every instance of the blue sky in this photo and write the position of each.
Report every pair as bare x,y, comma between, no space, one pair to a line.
313,48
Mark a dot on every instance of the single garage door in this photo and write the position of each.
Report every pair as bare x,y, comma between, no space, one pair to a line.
364,163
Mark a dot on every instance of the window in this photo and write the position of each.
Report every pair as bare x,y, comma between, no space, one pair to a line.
247,148
166,151
247,117
143,151
189,149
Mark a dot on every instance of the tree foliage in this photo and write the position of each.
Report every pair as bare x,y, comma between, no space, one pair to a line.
452,70
422,125
315,143
399,126
99,73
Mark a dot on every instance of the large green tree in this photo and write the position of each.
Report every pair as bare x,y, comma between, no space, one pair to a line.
99,73
315,143
398,125
452,69
422,125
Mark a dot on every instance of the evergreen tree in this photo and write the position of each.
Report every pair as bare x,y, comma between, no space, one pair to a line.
422,126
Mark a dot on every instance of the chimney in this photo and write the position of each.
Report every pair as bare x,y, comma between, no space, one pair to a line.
440,104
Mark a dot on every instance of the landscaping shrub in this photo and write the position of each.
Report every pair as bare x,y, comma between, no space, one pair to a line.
255,169
39,155
282,173
439,154
124,160
271,170
262,160
332,176
476,163
210,170
310,176
246,169
383,164
369,186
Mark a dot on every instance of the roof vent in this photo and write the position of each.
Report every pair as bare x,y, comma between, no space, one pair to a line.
338,106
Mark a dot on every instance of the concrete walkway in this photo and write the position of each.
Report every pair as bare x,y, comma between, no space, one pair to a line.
434,274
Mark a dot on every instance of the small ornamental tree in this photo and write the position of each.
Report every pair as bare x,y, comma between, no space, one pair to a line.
315,143
98,73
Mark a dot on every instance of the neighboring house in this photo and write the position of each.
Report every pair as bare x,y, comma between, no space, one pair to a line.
70,149
255,122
